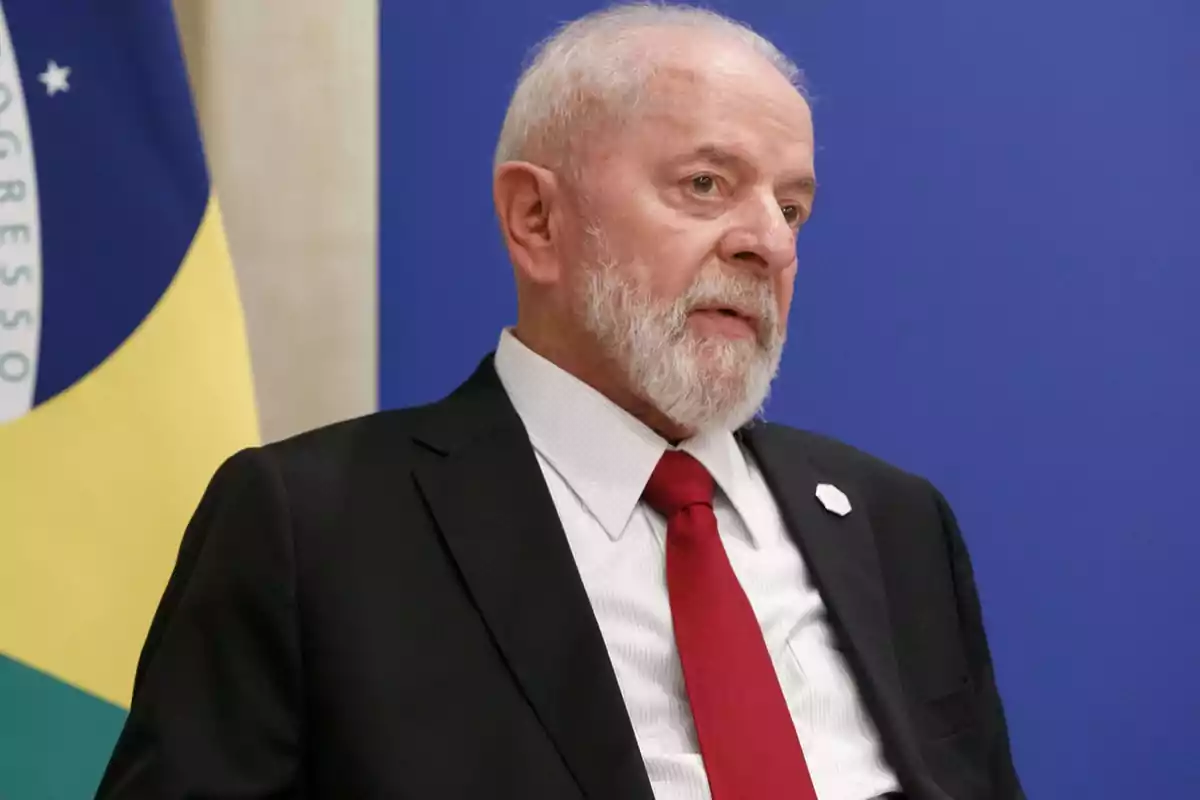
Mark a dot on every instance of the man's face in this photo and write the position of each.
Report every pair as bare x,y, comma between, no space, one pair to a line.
687,259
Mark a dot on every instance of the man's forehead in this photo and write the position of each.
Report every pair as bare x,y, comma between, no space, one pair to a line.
705,90
705,58
684,90
720,122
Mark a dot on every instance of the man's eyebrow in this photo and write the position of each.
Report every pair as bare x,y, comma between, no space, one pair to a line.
717,155
722,157
805,184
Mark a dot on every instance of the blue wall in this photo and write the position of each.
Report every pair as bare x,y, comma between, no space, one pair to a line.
998,290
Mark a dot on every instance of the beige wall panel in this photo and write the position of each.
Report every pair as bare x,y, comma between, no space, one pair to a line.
286,91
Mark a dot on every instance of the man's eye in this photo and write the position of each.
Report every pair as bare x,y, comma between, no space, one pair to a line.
795,214
704,184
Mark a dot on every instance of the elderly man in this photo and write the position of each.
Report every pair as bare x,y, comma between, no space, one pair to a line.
588,572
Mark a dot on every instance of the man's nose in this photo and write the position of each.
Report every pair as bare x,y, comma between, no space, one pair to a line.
759,237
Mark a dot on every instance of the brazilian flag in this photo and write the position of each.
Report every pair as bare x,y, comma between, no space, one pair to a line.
124,369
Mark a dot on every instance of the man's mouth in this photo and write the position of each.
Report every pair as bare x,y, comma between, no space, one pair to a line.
726,320
725,311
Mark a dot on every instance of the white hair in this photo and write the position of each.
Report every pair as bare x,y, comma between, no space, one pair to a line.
591,70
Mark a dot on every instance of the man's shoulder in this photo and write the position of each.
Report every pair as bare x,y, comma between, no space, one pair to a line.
889,493
360,461
335,435
836,458
399,435
394,432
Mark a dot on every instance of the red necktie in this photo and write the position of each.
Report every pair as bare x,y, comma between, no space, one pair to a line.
747,738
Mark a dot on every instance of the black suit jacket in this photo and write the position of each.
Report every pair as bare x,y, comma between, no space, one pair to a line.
388,608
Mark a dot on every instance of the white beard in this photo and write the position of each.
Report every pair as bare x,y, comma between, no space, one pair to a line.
700,383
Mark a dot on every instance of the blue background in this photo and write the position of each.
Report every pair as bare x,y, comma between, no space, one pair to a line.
998,290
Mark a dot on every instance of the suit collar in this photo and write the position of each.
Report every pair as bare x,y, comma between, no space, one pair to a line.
600,450
477,408
501,527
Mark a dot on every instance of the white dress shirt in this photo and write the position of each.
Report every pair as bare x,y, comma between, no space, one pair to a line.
596,459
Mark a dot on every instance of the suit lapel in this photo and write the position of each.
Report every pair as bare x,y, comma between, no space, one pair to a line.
841,556
491,503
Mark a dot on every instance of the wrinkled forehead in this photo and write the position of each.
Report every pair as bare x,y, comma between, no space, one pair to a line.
726,94
710,94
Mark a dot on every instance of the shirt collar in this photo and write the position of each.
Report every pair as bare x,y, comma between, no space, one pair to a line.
602,452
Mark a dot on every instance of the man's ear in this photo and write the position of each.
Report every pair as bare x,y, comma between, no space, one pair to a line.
528,201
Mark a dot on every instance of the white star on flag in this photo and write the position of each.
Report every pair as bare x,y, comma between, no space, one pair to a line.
55,78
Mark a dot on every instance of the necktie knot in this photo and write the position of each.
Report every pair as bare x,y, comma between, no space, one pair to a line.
677,482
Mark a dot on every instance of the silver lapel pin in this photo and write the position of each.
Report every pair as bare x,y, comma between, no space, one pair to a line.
833,498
